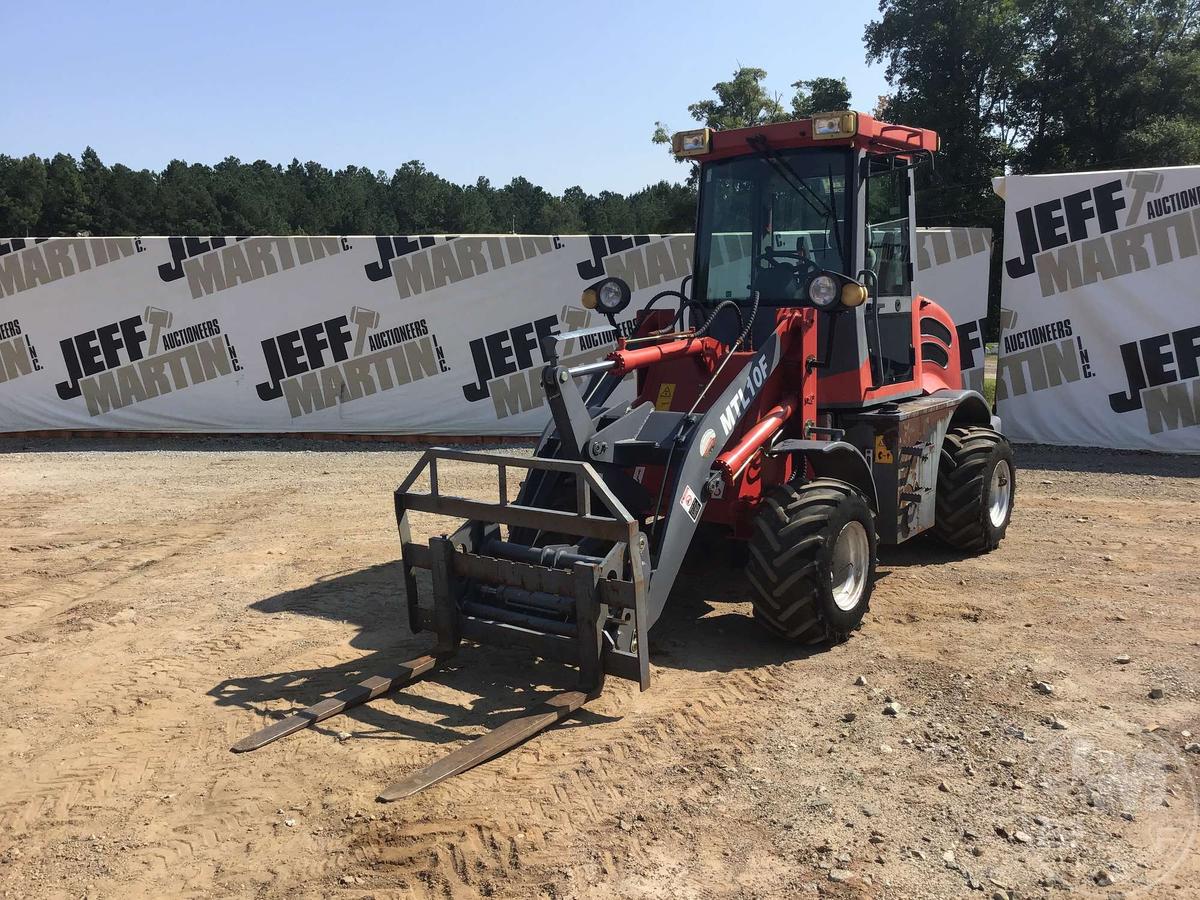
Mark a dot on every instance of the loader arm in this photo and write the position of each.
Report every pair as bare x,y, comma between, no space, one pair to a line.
692,443
698,441
517,572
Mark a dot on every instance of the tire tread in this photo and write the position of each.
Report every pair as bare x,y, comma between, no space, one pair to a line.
789,532
960,513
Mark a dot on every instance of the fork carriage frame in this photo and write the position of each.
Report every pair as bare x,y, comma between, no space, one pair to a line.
605,595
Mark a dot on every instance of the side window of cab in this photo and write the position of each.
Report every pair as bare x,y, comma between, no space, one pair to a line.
887,232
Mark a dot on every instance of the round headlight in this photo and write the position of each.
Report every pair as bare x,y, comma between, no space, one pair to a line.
612,296
823,291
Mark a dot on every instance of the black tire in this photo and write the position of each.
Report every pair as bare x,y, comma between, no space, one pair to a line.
966,489
791,560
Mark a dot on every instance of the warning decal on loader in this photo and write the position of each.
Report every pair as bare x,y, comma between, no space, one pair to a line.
690,503
883,455
666,393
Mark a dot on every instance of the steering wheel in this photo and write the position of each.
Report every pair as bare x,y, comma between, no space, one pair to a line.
804,267
773,257
809,267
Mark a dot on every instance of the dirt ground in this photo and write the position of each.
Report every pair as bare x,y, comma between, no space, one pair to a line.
160,599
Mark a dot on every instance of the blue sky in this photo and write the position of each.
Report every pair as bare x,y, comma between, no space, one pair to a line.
563,93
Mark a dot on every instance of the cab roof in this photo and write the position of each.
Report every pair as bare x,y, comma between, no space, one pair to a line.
856,130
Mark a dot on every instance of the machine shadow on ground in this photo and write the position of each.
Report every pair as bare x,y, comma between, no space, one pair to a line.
500,682
707,625
923,550
697,632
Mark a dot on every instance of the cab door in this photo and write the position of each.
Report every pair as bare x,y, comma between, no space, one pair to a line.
888,255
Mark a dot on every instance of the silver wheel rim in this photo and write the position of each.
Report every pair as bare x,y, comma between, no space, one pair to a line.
851,560
1000,493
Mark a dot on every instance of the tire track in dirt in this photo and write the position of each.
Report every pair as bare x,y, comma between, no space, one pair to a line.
114,759
130,559
569,780
515,819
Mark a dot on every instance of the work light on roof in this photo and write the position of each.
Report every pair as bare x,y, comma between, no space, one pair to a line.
691,143
835,125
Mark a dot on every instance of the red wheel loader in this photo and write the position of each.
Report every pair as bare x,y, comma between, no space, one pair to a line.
799,398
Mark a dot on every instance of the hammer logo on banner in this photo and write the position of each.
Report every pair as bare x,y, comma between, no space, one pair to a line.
345,358
140,357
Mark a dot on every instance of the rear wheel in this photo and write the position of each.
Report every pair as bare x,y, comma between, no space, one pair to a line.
975,490
812,560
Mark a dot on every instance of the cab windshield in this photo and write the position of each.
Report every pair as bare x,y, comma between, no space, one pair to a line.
768,221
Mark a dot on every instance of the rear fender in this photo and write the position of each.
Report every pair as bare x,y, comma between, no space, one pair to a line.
972,409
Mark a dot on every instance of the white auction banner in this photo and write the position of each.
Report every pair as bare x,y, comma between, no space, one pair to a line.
423,335
953,269
1101,309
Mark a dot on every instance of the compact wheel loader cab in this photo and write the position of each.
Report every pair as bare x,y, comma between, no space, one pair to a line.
798,396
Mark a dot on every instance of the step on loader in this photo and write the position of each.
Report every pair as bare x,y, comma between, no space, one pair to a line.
799,398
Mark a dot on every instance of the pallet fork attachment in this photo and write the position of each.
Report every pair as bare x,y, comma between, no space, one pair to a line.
363,692
582,603
570,581
492,744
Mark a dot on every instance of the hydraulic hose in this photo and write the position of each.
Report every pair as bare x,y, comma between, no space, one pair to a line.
737,341
684,306
724,304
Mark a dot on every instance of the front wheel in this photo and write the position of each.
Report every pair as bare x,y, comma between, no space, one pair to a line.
812,560
975,489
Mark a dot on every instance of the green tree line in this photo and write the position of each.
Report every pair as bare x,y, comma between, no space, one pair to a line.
1038,86
66,196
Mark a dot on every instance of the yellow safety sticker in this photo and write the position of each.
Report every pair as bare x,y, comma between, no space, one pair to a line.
666,393
883,455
